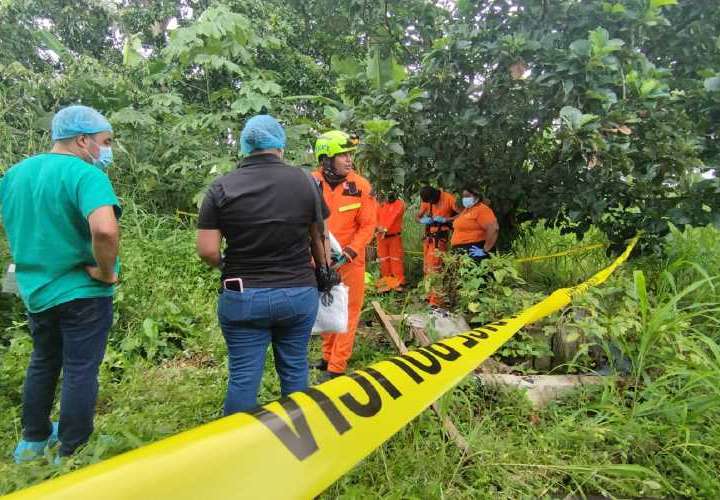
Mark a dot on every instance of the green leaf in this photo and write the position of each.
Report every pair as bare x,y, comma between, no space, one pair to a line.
379,127
616,8
346,66
398,175
315,98
52,42
266,86
131,51
481,121
574,118
396,148
648,87
656,4
398,71
581,48
599,37
381,70
712,84
605,95
130,116
641,293
572,336
250,102
330,111
399,95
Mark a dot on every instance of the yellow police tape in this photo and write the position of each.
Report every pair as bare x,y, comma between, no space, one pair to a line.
572,251
296,447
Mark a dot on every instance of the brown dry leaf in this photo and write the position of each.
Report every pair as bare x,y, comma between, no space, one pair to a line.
622,129
518,69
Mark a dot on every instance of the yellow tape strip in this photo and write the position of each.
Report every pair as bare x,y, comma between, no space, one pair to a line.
549,256
561,254
297,447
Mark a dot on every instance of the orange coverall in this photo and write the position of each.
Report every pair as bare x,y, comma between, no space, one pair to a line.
353,213
389,244
436,235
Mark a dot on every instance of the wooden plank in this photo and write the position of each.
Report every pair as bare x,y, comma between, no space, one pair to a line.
421,336
447,424
389,328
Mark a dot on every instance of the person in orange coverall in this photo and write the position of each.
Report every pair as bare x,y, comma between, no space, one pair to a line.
353,214
389,241
437,211
476,229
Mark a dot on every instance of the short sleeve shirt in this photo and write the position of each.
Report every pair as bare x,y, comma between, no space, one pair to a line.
45,201
469,227
264,210
445,207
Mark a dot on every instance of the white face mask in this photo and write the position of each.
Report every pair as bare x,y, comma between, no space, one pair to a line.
468,201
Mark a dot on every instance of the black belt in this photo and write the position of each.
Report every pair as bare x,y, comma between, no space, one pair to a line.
438,236
391,235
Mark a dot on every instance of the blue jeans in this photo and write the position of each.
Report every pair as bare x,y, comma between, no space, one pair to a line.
72,337
250,321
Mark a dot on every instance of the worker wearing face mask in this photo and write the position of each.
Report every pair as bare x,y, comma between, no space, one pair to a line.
60,214
352,205
476,228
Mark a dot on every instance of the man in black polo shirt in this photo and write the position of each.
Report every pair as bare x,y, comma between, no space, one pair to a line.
265,211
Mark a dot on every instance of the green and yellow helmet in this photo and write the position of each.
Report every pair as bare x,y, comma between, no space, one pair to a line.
334,143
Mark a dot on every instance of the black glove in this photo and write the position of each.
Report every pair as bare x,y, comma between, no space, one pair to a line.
327,278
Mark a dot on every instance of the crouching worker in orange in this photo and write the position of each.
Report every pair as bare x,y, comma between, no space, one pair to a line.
389,242
352,221
437,211
476,228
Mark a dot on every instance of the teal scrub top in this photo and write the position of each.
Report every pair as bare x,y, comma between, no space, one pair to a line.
45,202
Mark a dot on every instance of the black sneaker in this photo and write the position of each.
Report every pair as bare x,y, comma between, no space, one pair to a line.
321,365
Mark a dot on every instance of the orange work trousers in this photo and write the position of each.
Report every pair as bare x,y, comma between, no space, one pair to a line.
391,256
337,347
432,255
432,263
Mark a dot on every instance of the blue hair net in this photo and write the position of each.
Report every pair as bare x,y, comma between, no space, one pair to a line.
78,120
261,132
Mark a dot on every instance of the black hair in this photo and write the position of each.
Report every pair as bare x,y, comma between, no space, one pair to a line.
472,189
429,194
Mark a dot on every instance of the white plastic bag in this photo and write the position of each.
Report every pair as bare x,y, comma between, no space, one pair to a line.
9,283
333,318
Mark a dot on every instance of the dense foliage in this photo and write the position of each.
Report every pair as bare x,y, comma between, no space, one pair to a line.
582,121
597,112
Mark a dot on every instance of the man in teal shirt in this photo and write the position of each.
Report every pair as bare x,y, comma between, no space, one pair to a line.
60,215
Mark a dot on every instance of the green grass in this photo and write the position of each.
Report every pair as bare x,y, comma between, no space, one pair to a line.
657,434
541,239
